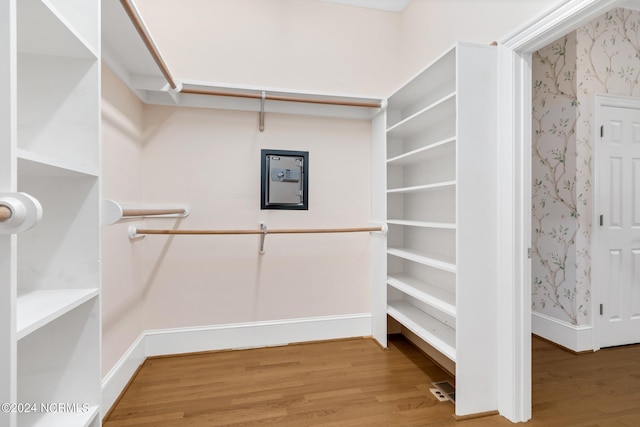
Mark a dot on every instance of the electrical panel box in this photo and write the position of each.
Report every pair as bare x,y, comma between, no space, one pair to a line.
284,179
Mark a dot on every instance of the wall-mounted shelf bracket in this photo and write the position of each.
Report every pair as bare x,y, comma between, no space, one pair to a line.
18,212
264,97
174,93
263,228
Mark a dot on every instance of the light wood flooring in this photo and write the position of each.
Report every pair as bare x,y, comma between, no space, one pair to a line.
355,383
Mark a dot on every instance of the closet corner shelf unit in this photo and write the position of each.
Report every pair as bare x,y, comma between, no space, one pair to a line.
53,335
441,201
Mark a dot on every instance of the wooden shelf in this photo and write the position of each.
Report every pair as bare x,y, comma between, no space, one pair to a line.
38,308
422,224
429,329
424,153
62,419
435,114
423,258
35,164
432,295
426,187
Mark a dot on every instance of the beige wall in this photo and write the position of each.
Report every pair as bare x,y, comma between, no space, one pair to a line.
297,44
429,27
311,45
210,158
122,126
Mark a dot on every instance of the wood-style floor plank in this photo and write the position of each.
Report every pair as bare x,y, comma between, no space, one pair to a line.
355,383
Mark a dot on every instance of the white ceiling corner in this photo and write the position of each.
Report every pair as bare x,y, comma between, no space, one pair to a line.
388,5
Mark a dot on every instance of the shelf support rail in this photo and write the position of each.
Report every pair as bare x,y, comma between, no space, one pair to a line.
177,88
136,233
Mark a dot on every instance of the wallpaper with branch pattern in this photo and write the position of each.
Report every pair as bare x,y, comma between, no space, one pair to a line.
602,56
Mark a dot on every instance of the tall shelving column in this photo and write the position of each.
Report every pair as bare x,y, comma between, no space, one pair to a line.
7,185
441,211
57,279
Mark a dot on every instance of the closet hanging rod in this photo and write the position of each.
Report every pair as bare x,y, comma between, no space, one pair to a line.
137,22
283,98
151,212
140,231
113,211
5,213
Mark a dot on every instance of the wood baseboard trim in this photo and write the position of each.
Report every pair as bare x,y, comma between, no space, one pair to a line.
474,416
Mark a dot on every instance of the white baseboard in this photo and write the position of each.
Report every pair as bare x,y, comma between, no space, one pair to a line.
255,334
227,337
118,377
575,338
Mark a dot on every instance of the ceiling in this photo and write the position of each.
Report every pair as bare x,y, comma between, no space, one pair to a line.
388,5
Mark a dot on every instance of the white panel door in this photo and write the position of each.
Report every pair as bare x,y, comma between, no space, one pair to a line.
617,238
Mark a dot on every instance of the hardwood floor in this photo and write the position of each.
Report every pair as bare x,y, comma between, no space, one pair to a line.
355,383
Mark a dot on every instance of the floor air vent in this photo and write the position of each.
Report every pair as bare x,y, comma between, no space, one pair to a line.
445,388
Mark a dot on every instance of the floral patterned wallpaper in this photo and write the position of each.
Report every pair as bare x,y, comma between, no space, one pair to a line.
602,56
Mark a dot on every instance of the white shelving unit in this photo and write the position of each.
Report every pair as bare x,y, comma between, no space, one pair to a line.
441,211
51,91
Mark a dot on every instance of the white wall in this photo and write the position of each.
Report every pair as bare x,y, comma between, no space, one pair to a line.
122,126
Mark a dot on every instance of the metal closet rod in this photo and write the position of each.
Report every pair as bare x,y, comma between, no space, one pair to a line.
137,22
141,231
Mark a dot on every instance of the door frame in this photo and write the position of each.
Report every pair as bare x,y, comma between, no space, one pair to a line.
598,274
514,192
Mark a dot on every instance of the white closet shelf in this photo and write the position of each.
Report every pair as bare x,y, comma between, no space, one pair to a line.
435,261
440,111
437,74
432,295
425,187
38,308
61,37
35,164
67,419
431,330
423,153
423,224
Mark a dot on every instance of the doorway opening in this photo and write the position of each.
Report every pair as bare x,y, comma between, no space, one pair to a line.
516,190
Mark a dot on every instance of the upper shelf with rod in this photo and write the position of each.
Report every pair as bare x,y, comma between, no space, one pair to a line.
113,211
131,52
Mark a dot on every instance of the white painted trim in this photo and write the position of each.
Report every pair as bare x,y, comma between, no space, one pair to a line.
227,337
256,334
574,337
118,377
